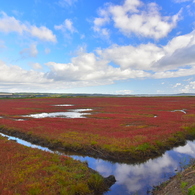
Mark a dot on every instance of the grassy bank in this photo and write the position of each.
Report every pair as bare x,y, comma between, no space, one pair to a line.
31,171
112,152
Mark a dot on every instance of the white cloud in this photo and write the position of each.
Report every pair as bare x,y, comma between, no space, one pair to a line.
64,3
36,65
176,85
82,36
81,49
42,33
90,69
143,61
138,18
47,50
189,88
15,79
10,24
159,91
173,60
181,1
29,52
66,26
174,73
2,44
124,92
141,57
178,52
99,22
141,173
87,67
15,74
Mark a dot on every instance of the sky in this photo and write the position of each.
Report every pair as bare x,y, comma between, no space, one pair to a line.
109,47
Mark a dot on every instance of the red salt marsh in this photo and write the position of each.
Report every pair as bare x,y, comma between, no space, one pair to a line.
116,128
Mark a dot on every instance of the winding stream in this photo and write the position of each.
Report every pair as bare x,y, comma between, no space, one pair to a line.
135,179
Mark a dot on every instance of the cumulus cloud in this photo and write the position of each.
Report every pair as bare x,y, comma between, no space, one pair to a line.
141,57
66,26
176,85
14,79
174,73
178,52
176,59
36,65
87,67
136,17
29,52
10,24
189,88
15,74
172,60
101,21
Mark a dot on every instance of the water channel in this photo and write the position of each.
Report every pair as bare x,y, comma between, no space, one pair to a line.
139,178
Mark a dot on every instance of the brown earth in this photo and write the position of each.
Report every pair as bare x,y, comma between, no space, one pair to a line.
181,184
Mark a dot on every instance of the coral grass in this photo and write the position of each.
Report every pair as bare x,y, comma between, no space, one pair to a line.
133,125
31,171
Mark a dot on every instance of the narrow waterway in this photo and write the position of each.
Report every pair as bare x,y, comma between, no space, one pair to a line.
135,179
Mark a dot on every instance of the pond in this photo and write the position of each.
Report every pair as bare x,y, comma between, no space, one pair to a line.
72,113
135,178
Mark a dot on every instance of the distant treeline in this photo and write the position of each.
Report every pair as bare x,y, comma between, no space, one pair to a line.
34,95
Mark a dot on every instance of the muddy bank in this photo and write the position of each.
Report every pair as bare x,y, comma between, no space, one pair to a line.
182,183
136,156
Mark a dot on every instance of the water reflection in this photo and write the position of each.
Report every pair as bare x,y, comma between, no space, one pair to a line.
140,178
73,113
187,149
25,143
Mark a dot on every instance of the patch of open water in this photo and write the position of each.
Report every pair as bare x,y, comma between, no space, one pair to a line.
72,113
63,105
135,178
183,110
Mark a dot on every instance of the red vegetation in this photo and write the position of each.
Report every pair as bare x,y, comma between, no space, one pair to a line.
31,171
114,124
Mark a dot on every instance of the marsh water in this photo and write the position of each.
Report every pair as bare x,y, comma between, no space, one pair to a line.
71,113
135,178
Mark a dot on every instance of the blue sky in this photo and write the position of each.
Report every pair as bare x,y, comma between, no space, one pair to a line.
113,47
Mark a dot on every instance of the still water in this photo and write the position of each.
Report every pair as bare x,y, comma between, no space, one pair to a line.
72,113
135,179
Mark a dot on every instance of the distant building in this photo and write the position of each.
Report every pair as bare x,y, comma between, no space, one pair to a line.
5,95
